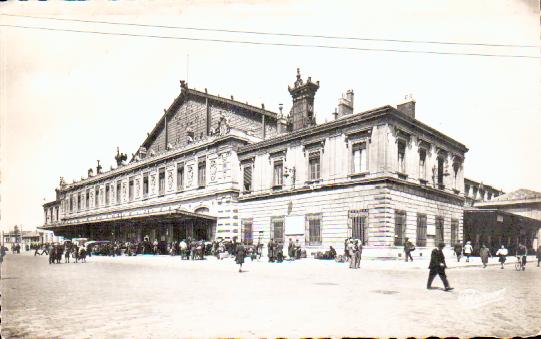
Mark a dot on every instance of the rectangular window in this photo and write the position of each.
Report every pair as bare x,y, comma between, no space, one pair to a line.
399,227
422,164
454,231
360,163
358,224
440,173
247,174
314,166
202,173
277,229
439,230
145,185
107,193
118,188
313,229
78,201
401,156
278,174
246,235
87,199
161,181
130,189
180,176
71,204
421,230
97,197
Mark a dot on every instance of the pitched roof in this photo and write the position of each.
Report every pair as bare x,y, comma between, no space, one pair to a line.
520,194
186,91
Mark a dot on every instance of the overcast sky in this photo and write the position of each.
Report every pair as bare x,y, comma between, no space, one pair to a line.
68,99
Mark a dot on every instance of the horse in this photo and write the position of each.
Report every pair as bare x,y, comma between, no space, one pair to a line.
82,255
58,254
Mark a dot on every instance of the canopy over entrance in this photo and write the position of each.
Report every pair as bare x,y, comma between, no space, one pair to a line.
169,226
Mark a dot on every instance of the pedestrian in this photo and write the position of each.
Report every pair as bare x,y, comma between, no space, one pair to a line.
408,248
468,250
239,257
437,267
291,250
67,255
270,248
502,255
52,255
538,255
484,253
358,252
346,248
298,248
522,253
458,251
352,257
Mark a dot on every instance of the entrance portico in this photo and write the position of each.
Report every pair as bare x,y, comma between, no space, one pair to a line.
165,226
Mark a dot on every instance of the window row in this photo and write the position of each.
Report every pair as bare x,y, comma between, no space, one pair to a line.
116,192
359,164
277,229
439,171
421,231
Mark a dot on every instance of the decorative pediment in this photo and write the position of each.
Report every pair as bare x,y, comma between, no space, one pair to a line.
313,144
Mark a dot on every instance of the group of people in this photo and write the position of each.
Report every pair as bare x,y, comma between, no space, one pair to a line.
353,249
68,250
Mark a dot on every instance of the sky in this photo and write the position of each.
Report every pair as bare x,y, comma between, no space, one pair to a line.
68,99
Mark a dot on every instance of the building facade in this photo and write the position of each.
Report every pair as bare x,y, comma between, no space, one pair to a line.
216,168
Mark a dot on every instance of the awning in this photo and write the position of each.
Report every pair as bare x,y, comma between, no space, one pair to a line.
134,217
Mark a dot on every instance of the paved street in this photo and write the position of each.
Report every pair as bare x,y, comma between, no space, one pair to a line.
163,297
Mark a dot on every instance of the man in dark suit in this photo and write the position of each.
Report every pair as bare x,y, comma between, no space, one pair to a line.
437,267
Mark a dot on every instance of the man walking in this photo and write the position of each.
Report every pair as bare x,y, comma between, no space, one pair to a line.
468,250
437,267
270,249
358,253
484,253
538,255
458,251
408,248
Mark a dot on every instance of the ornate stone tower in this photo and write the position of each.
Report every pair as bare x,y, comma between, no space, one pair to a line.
302,111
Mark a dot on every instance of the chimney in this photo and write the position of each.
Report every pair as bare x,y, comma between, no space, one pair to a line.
98,168
345,104
90,172
408,108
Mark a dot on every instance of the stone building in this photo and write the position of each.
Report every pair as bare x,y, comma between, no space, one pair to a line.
216,168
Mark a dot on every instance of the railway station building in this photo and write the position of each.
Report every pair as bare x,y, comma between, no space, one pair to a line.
215,168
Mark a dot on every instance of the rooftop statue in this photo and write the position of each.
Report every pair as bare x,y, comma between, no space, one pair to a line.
120,157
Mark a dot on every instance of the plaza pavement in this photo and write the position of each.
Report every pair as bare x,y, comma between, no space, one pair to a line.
165,297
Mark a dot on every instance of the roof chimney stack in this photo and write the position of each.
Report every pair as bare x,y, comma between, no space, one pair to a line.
408,107
345,104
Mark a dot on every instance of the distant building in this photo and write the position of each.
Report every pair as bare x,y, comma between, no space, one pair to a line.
215,168
17,236
508,219
476,192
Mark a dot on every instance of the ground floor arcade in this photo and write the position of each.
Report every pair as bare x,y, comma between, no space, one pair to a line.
494,228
